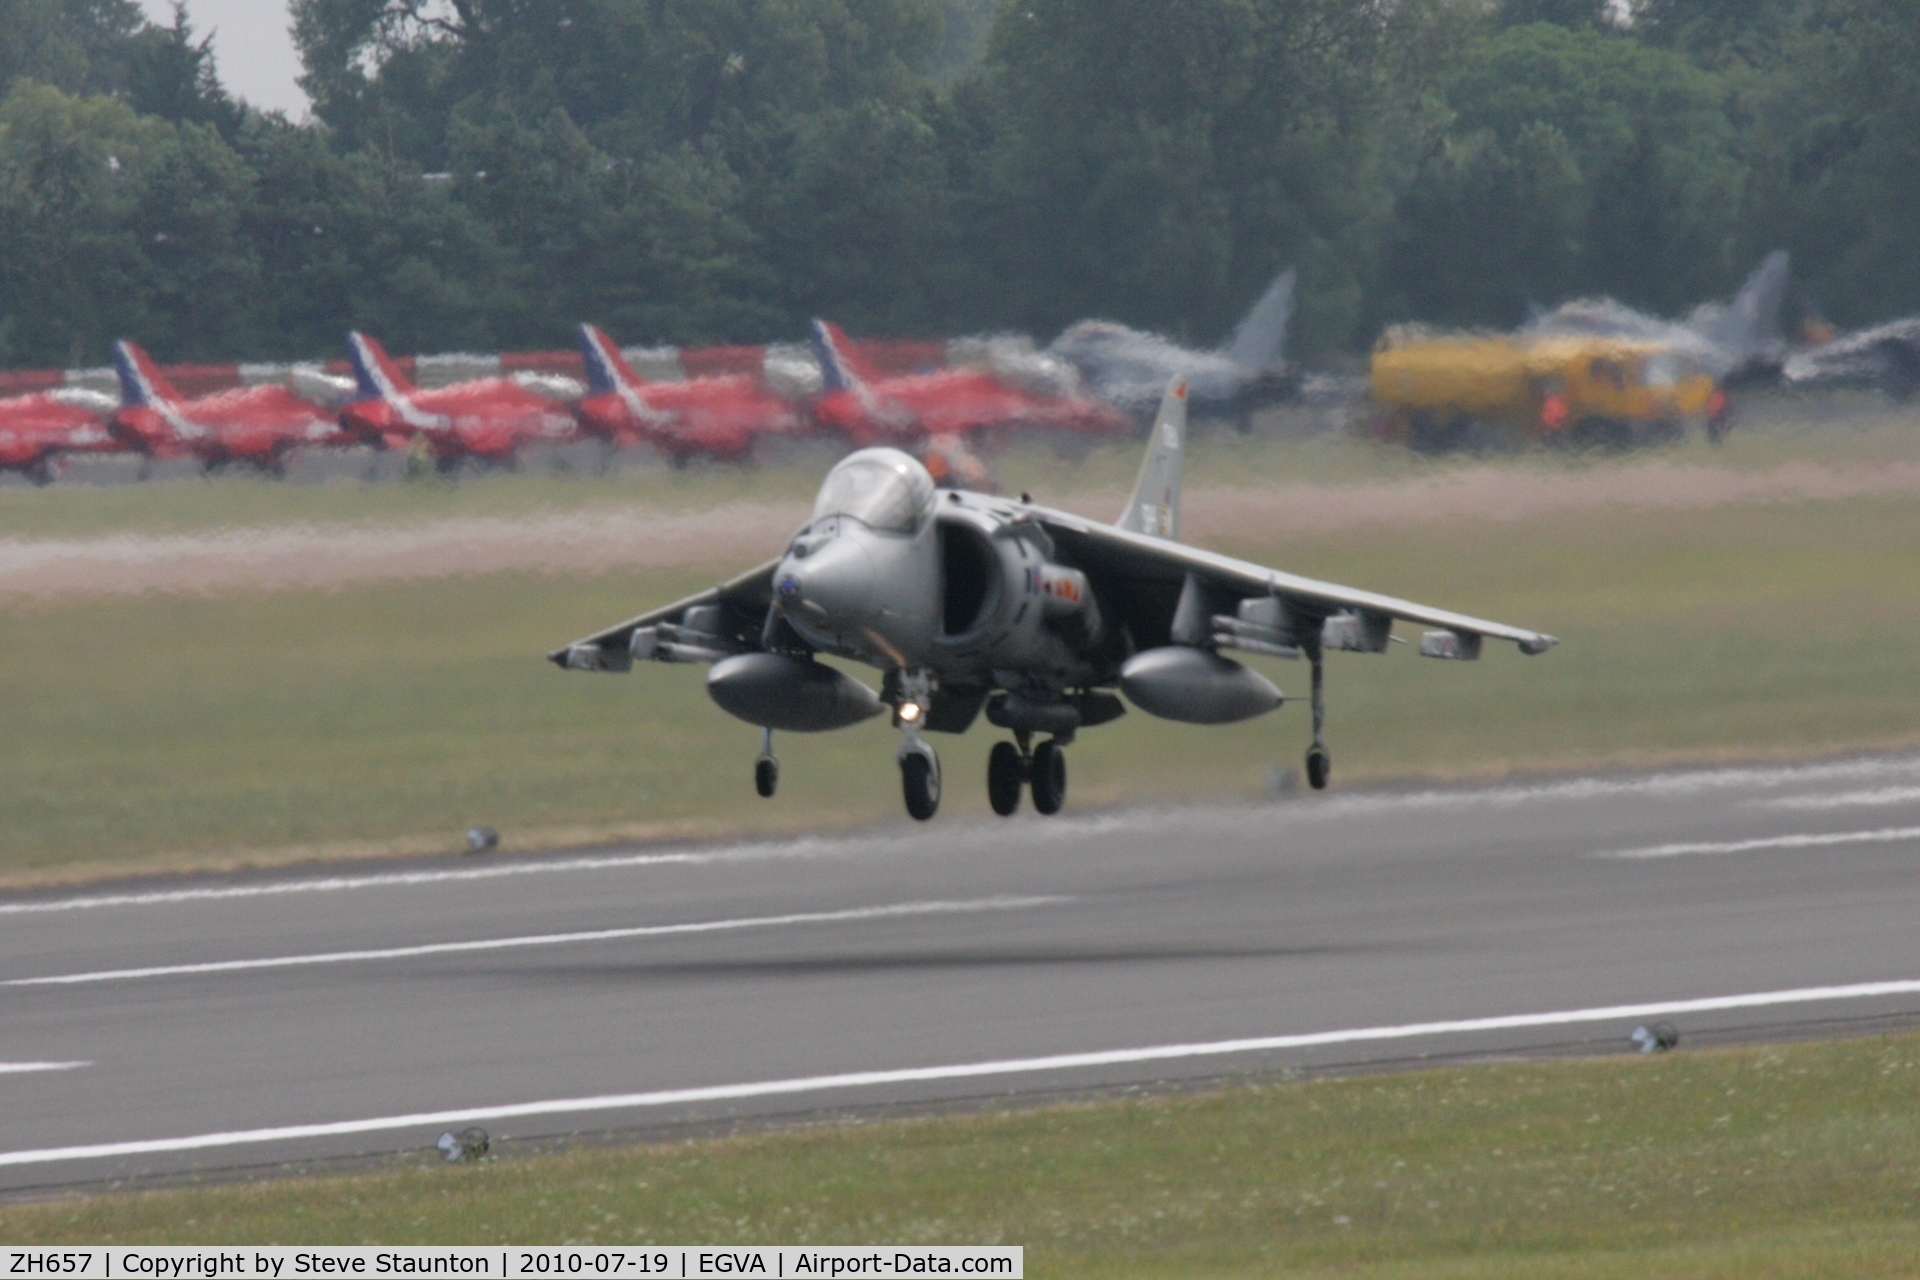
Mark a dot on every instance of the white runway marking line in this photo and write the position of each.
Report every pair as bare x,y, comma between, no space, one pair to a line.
1849,799
1820,840
1678,784
21,1068
963,1071
891,911
398,879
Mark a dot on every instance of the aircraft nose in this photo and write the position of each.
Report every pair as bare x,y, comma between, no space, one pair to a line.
830,582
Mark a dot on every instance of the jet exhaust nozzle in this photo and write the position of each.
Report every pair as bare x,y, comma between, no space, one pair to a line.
1196,686
793,695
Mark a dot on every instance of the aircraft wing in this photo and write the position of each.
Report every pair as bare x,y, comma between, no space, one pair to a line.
1147,576
732,613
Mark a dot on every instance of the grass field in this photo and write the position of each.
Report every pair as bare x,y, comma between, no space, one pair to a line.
1844,428
167,730
1795,1161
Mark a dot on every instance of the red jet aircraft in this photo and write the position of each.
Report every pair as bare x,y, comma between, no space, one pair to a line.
37,431
714,417
260,426
938,415
488,419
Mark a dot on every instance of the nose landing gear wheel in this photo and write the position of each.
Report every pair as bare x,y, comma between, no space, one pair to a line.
1049,777
1319,768
920,785
1006,773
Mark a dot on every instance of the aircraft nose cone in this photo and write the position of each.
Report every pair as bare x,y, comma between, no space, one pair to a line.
832,584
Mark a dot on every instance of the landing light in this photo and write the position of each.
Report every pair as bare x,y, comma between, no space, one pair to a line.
910,712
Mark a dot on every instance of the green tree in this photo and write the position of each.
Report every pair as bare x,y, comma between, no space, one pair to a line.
1575,161
80,46
1160,162
116,224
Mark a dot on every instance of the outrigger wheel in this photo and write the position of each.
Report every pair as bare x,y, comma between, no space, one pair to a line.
1319,759
766,767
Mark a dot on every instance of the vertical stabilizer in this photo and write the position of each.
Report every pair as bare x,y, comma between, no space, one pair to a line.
141,382
607,370
841,369
375,374
1750,324
1155,506
1259,343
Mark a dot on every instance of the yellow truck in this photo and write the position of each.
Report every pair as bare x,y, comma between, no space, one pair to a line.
1438,392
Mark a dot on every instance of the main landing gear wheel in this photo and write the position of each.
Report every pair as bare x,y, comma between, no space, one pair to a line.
920,784
1006,774
1319,767
1048,774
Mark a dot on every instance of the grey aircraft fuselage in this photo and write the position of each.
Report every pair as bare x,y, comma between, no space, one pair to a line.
973,590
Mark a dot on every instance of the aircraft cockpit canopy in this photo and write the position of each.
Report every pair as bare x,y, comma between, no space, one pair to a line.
884,489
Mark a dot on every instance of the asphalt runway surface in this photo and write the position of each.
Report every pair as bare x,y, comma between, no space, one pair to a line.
161,1028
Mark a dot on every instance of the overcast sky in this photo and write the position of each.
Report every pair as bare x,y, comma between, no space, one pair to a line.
251,45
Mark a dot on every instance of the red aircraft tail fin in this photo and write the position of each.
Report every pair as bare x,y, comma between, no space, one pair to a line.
375,372
141,382
841,367
607,368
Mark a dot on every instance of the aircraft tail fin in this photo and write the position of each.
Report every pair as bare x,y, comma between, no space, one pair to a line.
1750,324
375,374
1259,342
1155,505
841,368
141,382
607,369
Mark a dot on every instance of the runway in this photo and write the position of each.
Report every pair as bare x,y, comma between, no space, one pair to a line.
162,1028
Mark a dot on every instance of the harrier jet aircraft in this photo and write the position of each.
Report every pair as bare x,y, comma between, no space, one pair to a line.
260,426
37,431
716,417
1131,369
488,420
970,603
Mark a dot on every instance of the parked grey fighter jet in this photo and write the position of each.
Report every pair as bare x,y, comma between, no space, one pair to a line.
968,602
1886,356
1735,341
1130,369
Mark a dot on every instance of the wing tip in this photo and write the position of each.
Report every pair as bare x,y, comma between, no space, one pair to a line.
1538,644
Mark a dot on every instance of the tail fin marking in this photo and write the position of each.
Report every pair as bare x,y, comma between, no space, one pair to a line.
141,382
375,375
607,369
840,368
1155,505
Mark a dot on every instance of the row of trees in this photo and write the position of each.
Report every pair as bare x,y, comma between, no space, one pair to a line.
484,173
